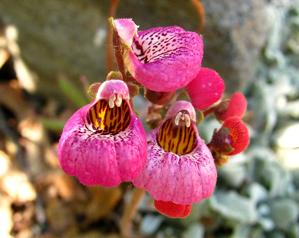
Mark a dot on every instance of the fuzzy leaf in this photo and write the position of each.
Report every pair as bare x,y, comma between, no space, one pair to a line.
284,213
234,207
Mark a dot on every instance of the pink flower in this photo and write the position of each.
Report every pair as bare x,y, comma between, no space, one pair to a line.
103,143
205,89
162,59
180,168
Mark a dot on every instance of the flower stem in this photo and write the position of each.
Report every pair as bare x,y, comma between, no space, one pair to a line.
118,54
109,53
129,212
201,14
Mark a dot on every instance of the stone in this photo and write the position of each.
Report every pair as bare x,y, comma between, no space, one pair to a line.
68,38
235,32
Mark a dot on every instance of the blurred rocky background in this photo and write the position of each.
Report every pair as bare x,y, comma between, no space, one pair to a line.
51,50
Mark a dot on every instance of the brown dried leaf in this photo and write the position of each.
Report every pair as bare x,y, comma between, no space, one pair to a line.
23,218
18,187
32,129
11,97
58,184
5,217
5,164
51,156
4,56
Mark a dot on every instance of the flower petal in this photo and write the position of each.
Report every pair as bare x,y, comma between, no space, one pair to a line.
164,59
126,30
205,89
131,151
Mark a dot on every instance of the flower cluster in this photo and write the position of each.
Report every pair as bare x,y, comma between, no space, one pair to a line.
104,143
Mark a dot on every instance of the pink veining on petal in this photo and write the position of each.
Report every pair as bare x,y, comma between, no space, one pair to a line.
205,89
130,150
164,59
126,29
111,87
181,105
184,179
74,124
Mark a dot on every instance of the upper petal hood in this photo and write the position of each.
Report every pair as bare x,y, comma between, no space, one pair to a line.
162,59
126,30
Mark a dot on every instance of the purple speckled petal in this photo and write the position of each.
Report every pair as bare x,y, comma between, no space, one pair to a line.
184,179
162,59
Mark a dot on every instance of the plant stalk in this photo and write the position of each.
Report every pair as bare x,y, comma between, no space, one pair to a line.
129,213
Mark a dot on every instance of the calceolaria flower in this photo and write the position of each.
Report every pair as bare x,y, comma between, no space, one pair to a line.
104,142
180,169
162,59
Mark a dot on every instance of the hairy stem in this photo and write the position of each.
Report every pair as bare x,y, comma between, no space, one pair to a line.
109,53
201,14
118,50
130,211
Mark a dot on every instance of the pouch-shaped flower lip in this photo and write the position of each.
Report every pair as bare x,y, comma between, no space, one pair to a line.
206,88
162,59
180,167
104,142
173,210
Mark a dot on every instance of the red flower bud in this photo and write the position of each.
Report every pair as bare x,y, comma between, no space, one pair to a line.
234,107
173,210
206,89
239,134
232,138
